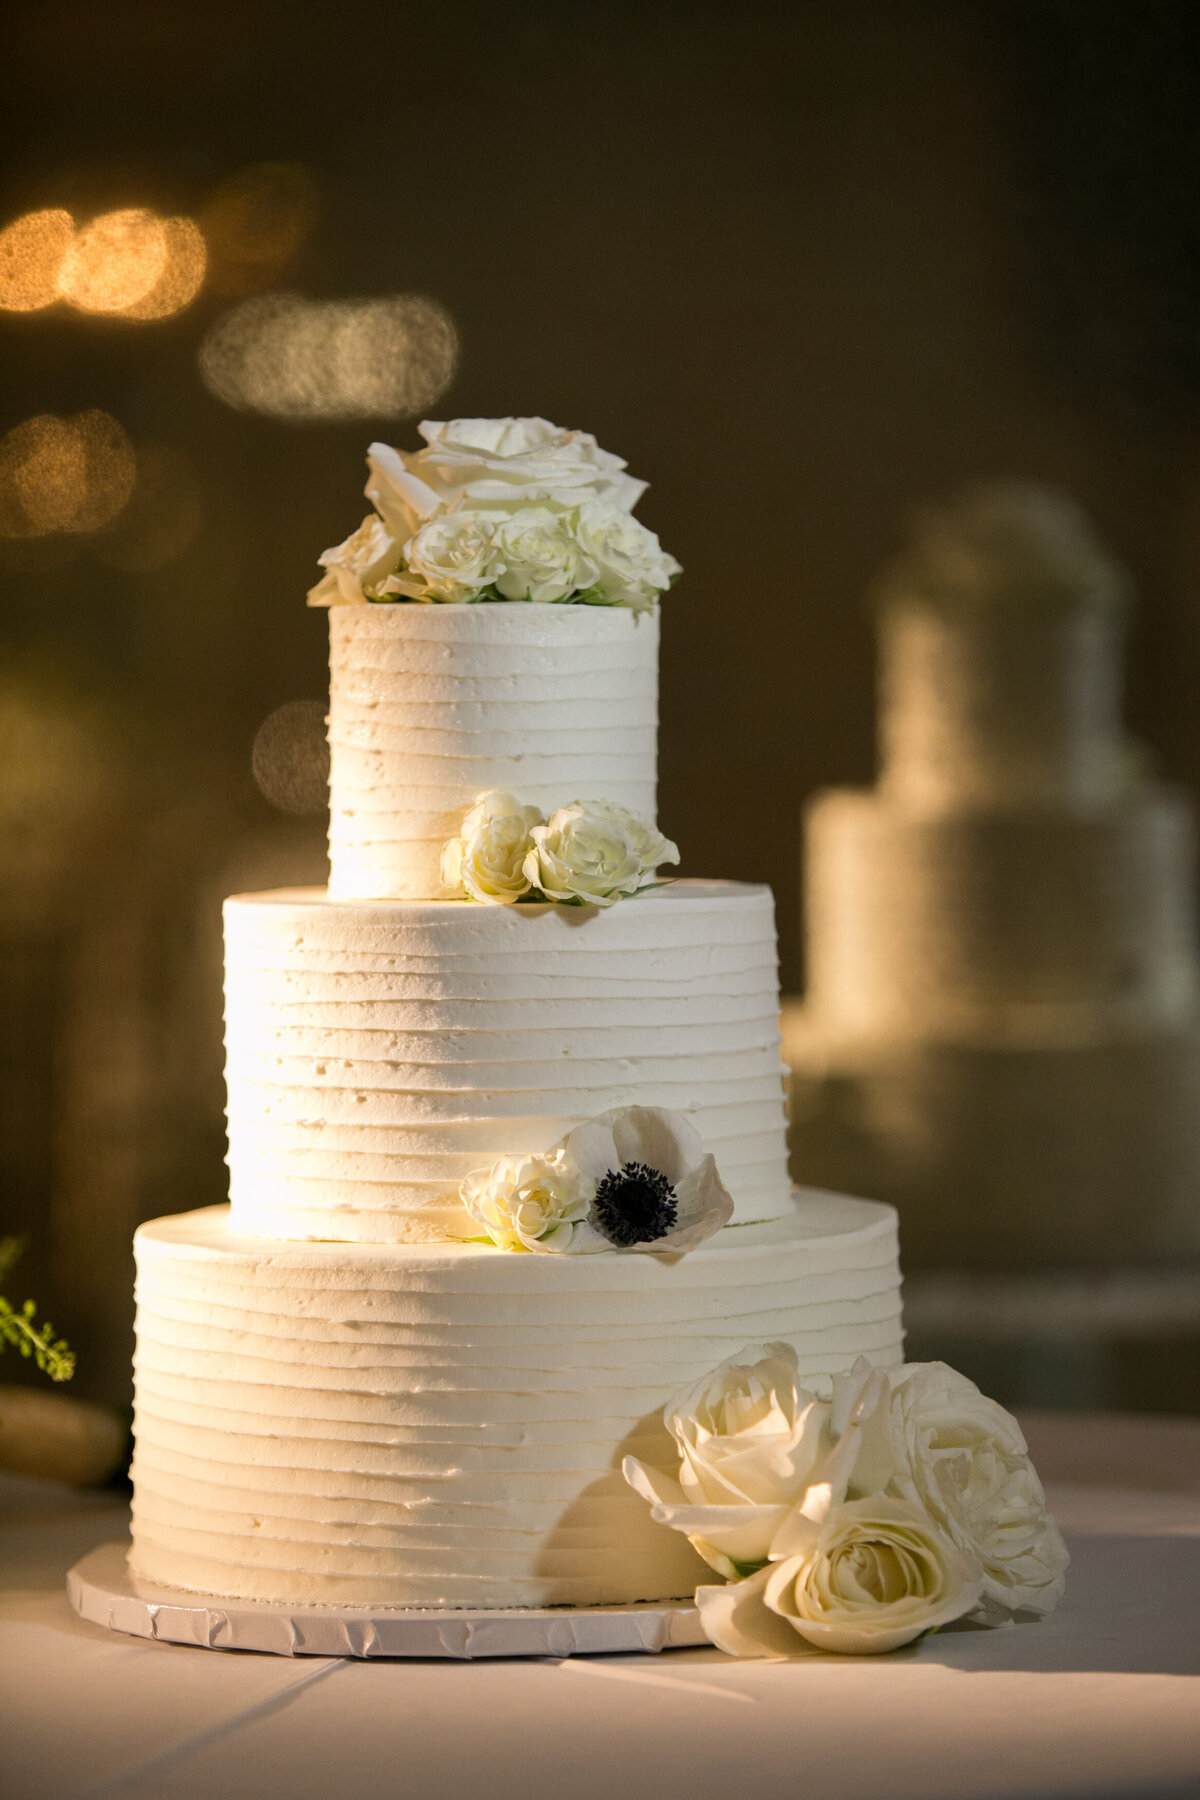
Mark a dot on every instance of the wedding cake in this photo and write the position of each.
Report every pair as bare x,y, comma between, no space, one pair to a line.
506,1131
1002,1026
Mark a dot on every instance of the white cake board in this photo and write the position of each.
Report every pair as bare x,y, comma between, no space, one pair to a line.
102,1589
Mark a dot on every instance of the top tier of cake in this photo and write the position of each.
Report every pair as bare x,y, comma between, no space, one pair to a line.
430,706
1000,636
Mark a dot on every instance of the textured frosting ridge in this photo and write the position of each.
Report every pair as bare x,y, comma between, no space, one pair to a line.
444,1425
377,1052
430,706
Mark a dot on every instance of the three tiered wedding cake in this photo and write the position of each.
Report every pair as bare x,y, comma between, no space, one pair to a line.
506,1130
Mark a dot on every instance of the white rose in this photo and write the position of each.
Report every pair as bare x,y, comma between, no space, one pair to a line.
946,1447
398,495
642,835
652,1185
538,557
487,861
527,1202
507,463
594,852
368,555
752,1444
749,1438
633,569
858,1576
453,554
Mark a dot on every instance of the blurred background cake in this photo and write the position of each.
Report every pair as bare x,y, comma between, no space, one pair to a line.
1002,1028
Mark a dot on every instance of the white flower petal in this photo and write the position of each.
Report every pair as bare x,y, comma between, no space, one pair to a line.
662,1140
736,1619
591,1148
704,1204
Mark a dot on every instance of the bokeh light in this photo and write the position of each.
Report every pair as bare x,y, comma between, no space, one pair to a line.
182,274
129,264
31,256
64,475
115,261
255,223
346,359
162,517
290,758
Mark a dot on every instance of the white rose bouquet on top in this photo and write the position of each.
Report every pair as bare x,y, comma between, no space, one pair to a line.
499,509
855,1524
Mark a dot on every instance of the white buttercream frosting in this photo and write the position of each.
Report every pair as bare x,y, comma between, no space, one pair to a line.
444,1425
431,706
380,1051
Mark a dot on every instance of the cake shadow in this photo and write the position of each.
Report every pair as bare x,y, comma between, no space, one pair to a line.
634,1559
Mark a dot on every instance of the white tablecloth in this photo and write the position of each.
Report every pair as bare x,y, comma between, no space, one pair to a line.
1102,1699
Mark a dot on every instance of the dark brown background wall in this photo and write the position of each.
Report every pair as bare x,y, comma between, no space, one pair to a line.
803,266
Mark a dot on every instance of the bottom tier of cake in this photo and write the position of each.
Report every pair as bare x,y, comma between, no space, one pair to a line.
444,1425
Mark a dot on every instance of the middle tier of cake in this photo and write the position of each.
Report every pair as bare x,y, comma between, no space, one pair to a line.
379,1051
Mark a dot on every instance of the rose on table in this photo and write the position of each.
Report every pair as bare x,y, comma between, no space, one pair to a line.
855,1524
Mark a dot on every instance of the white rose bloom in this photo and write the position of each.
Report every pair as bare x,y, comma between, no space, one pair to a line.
538,557
633,569
453,554
652,1185
595,852
508,463
946,1447
531,1203
752,1443
487,861
642,835
368,555
857,1576
749,1439
398,495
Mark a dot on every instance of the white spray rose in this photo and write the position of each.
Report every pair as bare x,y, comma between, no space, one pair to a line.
632,566
595,852
533,1203
944,1446
367,557
453,556
641,834
487,861
508,463
856,1576
537,557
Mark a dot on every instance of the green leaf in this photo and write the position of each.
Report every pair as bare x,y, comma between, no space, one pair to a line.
53,1355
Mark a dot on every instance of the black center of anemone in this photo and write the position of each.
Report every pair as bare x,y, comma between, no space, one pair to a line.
634,1205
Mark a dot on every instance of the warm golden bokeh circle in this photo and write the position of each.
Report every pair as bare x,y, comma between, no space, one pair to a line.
64,475
31,256
128,264
255,222
114,262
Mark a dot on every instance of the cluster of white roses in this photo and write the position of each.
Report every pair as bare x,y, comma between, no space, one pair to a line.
591,852
856,1524
499,509
636,1178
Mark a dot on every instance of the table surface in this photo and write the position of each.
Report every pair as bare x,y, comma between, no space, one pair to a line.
1101,1699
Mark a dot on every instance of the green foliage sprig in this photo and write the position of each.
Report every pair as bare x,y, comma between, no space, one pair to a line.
19,1326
